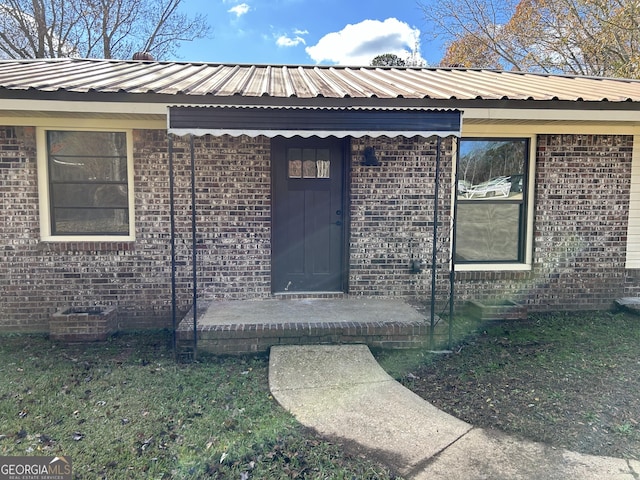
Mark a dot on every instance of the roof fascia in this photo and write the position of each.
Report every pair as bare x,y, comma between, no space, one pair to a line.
143,105
238,100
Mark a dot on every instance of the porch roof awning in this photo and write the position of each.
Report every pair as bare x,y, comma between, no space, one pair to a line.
313,121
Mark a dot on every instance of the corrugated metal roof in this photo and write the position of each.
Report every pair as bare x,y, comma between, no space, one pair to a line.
278,81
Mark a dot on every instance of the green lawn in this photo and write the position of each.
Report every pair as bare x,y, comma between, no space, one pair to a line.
125,409
571,380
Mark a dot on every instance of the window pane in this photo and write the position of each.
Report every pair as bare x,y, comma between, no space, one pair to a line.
491,200
309,163
294,156
488,231
77,169
491,169
88,182
89,195
324,163
83,221
93,156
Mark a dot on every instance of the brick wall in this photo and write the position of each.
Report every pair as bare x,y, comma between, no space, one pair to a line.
20,271
392,209
581,202
233,235
582,187
233,206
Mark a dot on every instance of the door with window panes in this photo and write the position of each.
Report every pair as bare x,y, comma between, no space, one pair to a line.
308,215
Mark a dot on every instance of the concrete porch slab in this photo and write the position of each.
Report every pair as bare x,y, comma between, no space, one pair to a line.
249,326
308,310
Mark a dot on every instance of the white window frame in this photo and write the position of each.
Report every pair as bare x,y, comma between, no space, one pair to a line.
43,188
527,263
632,260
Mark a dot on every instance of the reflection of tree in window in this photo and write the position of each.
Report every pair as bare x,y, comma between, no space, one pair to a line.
490,224
481,161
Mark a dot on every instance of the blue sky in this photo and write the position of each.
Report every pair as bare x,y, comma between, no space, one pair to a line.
327,32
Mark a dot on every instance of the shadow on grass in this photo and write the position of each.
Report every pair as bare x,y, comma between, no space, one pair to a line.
125,409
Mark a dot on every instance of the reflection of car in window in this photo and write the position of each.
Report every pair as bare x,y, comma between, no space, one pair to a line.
499,186
491,210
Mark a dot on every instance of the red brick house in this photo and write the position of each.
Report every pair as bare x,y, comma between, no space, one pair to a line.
314,181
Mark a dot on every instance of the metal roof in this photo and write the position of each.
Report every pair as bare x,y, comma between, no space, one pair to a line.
280,81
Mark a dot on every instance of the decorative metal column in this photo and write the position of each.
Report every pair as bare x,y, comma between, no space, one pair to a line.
434,255
452,274
174,312
194,252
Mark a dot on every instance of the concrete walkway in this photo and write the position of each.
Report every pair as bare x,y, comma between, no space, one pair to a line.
342,392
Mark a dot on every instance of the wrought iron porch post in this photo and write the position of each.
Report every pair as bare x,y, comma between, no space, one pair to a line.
434,256
452,275
194,253
174,313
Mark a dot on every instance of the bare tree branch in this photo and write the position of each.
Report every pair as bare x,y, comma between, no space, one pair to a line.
95,28
589,37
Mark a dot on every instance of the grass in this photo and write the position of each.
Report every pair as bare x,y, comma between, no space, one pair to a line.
124,409
567,379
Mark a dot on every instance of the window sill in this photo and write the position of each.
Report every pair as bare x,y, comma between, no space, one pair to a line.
86,238
493,267
92,244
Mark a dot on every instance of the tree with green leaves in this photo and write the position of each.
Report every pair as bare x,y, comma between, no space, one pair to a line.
388,60
95,28
584,37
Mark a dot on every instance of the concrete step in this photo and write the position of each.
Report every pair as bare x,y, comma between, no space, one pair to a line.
254,338
238,327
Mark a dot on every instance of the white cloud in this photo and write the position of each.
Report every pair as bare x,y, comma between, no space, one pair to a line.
239,9
293,41
358,44
285,41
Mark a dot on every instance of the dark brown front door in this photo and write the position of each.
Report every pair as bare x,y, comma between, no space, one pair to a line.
308,219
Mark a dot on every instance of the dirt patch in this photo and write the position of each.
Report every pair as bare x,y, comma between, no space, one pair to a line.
569,380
